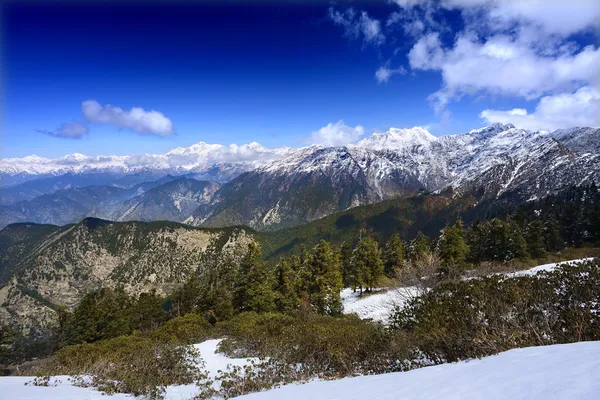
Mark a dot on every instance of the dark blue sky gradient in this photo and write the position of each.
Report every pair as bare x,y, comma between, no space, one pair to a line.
230,73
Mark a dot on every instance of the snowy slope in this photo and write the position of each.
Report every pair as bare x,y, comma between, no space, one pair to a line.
14,387
380,305
377,306
558,372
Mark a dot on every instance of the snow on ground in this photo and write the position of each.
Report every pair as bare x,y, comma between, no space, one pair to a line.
217,361
13,387
380,305
377,306
544,267
558,372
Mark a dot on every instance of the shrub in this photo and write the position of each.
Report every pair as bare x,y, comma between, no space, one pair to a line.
479,317
189,329
127,364
324,346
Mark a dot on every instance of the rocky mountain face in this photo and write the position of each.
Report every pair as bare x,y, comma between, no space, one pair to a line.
498,161
283,187
70,205
173,201
43,267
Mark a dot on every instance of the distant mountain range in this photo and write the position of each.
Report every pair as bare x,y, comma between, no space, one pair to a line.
266,189
214,162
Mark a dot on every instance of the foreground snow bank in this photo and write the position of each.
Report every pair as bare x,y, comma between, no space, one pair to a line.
570,371
13,387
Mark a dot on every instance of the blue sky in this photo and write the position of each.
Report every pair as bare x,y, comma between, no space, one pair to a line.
269,73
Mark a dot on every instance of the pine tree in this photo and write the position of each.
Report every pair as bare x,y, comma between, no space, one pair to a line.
367,264
148,312
553,240
419,246
253,289
476,236
534,236
286,296
345,259
325,282
517,244
452,247
394,255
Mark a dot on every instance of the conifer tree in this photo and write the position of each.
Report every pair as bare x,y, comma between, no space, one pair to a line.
553,240
346,259
394,254
420,246
516,242
325,282
534,236
366,263
253,289
452,247
286,296
476,236
148,312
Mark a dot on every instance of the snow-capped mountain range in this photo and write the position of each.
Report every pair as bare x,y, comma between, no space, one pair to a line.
200,158
271,188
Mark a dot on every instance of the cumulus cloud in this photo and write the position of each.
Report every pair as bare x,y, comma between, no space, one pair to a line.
554,17
358,25
565,110
502,65
509,48
137,119
68,130
383,74
337,134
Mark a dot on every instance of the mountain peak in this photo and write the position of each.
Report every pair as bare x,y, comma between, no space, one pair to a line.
492,129
397,139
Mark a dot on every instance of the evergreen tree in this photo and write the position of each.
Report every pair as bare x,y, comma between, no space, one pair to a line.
100,315
517,245
185,299
476,240
286,296
148,312
301,265
366,263
346,258
534,236
553,240
325,282
253,288
452,247
394,255
420,246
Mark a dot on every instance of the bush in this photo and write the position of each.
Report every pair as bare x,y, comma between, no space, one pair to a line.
127,364
250,333
189,329
479,317
324,346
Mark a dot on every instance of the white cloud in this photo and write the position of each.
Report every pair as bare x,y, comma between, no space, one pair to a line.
383,74
565,110
507,48
357,25
553,16
137,119
502,65
68,130
337,134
